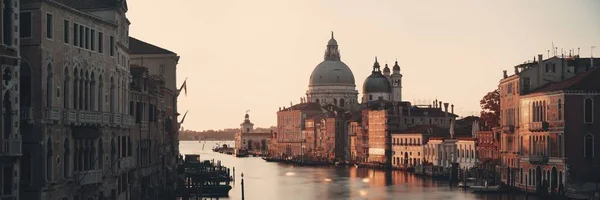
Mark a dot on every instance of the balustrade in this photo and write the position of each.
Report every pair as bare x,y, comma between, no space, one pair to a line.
52,115
11,147
89,177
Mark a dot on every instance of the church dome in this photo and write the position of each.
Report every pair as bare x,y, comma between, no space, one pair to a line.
376,82
332,71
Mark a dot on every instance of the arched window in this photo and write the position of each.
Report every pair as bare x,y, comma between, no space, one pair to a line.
113,153
66,158
113,95
93,92
560,145
100,154
342,103
589,146
66,88
49,152
81,88
559,109
317,101
25,85
93,155
100,93
26,168
75,88
334,101
7,117
588,110
7,21
49,86
86,93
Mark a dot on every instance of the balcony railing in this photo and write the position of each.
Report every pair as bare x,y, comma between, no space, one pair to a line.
538,159
508,129
127,162
70,116
11,147
144,125
26,115
53,115
538,126
106,118
89,177
117,119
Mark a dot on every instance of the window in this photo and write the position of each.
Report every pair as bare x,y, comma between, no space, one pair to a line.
87,38
75,34
7,182
526,83
92,40
161,70
588,108
559,109
588,146
112,46
49,26
25,20
7,22
81,36
66,31
100,42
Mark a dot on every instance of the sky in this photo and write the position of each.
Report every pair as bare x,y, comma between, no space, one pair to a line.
258,55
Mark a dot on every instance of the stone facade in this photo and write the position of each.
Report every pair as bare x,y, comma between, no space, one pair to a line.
79,97
248,139
11,138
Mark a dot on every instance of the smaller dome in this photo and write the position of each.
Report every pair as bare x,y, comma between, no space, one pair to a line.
376,83
386,69
396,66
246,116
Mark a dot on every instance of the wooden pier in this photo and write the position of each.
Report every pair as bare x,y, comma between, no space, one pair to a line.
200,179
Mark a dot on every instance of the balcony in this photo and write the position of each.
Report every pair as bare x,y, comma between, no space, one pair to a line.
11,147
127,162
89,177
508,129
144,125
128,120
27,115
538,159
52,115
70,116
538,126
116,119
105,118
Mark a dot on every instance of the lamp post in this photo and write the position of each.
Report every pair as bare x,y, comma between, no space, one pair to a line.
242,186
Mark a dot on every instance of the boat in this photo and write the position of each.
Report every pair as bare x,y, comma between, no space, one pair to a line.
467,184
241,153
486,188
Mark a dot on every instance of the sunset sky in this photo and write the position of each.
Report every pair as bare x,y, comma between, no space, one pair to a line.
258,55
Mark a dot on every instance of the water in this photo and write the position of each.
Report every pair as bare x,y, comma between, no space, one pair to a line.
272,181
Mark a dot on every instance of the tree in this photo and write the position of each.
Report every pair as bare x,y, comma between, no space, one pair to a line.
490,105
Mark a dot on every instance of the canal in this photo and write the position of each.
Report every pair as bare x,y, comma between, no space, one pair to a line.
273,181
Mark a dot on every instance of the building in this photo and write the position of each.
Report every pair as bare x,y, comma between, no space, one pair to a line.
409,145
75,89
290,126
466,148
161,64
527,78
544,132
147,137
332,81
247,139
11,141
488,150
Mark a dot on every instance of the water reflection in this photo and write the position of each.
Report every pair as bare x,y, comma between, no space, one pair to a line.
265,180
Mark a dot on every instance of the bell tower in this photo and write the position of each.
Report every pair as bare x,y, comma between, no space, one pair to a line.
247,126
396,80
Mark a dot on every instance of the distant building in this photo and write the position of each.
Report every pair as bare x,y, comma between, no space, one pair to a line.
248,139
409,145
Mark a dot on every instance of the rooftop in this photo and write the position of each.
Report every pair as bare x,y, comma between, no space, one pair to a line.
140,47
586,81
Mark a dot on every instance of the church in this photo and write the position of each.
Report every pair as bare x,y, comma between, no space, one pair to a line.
360,131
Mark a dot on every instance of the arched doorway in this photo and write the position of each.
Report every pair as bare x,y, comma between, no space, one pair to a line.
554,179
538,177
249,145
405,159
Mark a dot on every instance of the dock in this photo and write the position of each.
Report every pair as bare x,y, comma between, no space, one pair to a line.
203,178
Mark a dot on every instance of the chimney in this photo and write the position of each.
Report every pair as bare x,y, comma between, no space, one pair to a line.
516,69
440,105
505,75
446,108
279,108
540,58
434,104
452,108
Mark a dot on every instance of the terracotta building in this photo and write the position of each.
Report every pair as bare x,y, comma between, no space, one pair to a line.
290,124
558,133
